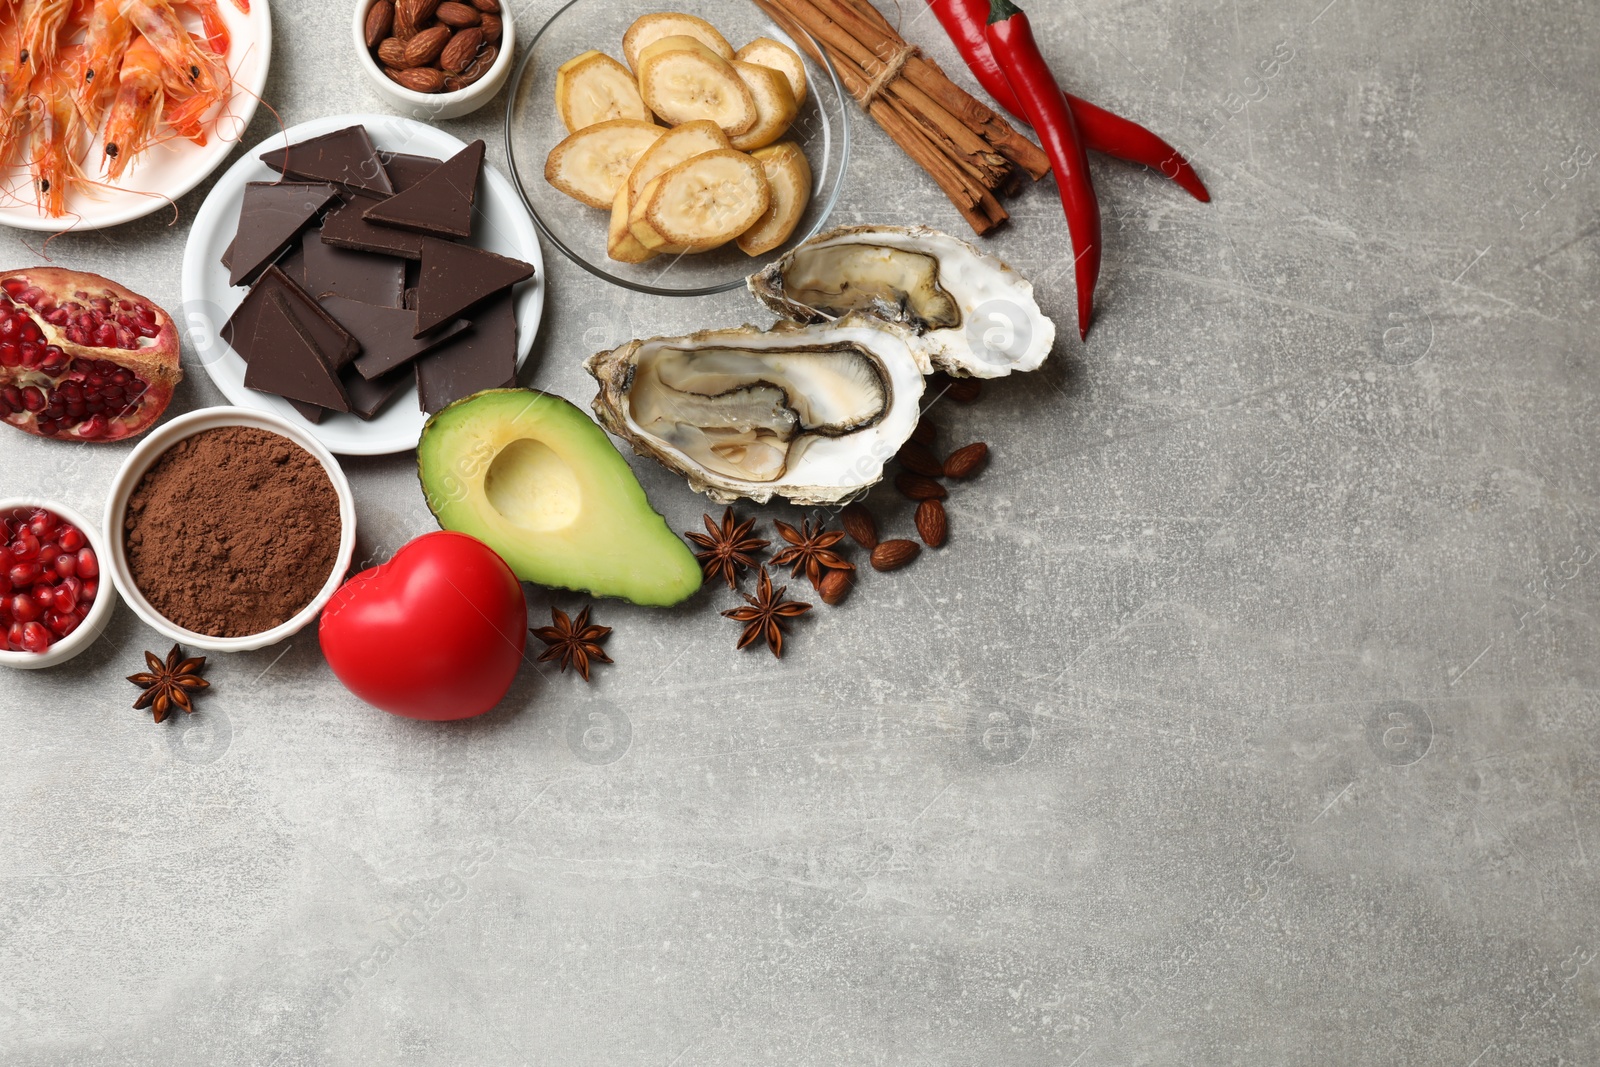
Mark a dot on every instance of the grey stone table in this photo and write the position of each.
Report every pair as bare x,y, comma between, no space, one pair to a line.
1249,717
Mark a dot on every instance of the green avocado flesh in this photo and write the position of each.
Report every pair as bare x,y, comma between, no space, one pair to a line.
535,479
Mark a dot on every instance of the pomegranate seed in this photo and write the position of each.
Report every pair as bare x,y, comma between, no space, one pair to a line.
65,565
13,286
48,427
64,597
44,596
23,574
88,564
69,624
90,589
55,361
5,589
14,636
33,399
77,334
26,547
10,354
42,523
24,609
71,538
93,427
35,638
58,316
6,559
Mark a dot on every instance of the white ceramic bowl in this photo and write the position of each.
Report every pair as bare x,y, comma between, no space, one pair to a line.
430,107
95,622
154,445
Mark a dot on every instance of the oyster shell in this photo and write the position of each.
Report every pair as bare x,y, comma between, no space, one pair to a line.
807,413
971,313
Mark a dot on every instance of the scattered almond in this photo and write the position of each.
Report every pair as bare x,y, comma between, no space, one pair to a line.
965,461
490,6
860,525
392,52
926,433
932,525
380,22
965,390
425,47
892,555
918,487
492,28
418,79
919,459
463,48
835,586
458,15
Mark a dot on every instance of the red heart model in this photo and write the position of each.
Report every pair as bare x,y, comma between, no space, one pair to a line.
436,633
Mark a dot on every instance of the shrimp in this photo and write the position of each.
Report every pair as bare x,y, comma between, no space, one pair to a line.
57,132
104,43
13,95
218,38
42,23
159,24
137,108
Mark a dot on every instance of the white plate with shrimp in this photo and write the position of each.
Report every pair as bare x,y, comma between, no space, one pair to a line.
214,102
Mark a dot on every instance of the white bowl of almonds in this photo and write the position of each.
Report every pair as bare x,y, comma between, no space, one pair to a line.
435,59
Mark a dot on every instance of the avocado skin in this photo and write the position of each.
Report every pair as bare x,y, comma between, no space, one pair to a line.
617,545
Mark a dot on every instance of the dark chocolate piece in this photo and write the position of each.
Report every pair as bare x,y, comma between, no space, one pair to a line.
368,399
345,228
357,275
345,157
441,203
385,334
312,413
455,277
288,363
293,263
406,170
271,219
482,358
337,344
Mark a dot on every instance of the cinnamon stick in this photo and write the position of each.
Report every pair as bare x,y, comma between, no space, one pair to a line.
976,203
873,34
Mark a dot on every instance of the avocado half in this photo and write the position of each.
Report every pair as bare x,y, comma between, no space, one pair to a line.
531,476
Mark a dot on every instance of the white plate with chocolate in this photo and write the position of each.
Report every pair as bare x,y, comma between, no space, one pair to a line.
356,273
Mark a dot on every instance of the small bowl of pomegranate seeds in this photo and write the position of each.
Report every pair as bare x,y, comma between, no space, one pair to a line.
52,602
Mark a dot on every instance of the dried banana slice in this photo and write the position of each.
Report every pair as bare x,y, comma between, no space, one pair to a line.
595,88
592,164
789,180
648,29
775,105
781,58
702,203
682,80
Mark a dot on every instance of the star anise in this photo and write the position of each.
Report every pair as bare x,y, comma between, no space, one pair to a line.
728,549
763,618
811,550
573,642
168,685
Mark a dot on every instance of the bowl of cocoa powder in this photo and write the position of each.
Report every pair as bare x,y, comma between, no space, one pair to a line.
229,529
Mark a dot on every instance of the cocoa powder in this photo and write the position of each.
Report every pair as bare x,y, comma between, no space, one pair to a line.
232,531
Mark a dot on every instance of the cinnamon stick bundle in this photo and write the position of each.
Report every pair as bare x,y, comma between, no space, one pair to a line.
973,154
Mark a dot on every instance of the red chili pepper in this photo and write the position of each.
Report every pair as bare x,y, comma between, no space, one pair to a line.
1012,42
1102,131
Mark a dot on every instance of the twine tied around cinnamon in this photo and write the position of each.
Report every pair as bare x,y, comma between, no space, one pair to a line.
892,69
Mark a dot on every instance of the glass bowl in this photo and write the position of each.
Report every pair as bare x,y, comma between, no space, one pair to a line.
533,128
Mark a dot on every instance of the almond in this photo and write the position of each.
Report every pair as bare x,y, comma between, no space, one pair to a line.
932,525
392,52
926,433
835,586
918,487
892,555
459,15
490,6
965,461
860,525
418,79
462,50
380,22
919,459
425,47
492,28
478,69
964,390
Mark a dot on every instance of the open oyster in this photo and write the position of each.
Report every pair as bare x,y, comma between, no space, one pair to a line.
809,414
971,313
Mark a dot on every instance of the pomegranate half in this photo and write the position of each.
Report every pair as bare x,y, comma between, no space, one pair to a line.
81,357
